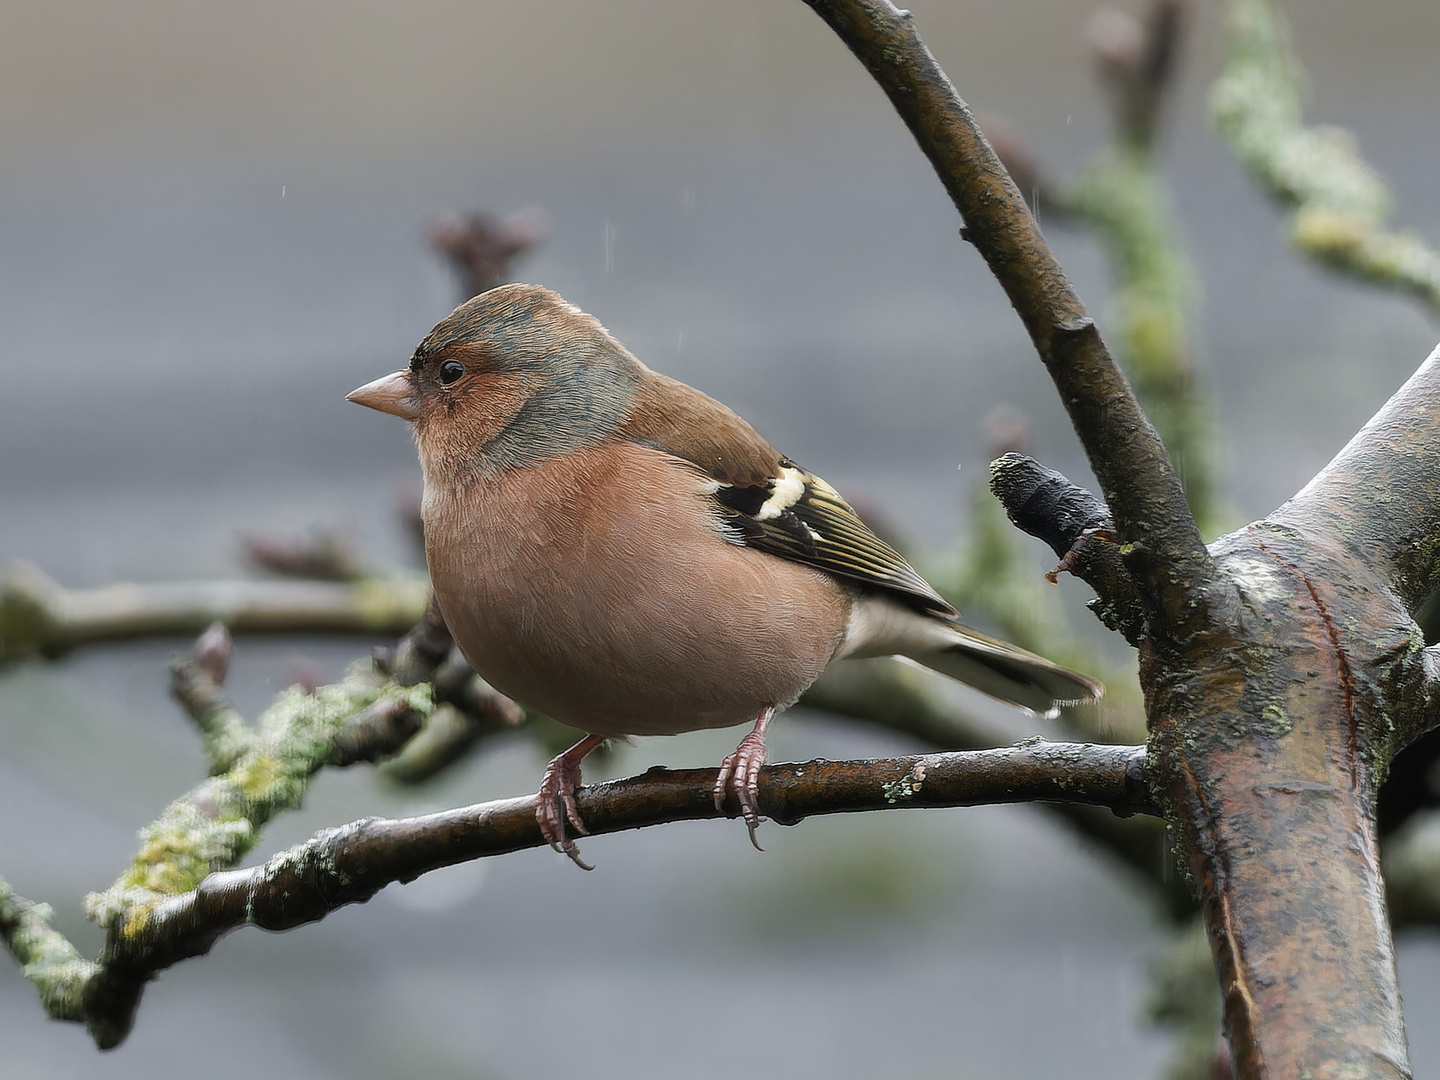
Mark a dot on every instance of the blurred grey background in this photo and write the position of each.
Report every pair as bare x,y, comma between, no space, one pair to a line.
211,228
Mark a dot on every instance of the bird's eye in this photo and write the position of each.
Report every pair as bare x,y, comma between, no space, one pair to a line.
451,370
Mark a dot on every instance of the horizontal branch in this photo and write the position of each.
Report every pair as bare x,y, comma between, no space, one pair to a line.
39,616
351,864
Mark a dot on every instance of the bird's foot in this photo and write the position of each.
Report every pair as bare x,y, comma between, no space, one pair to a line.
556,804
740,775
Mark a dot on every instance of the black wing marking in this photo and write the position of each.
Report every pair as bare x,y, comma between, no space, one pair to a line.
799,516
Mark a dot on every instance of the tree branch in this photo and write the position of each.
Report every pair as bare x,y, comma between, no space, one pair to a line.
1380,496
38,616
1338,203
1163,544
46,956
351,864
215,824
1272,671
1077,526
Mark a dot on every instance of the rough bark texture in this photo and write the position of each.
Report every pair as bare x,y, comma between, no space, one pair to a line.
1264,730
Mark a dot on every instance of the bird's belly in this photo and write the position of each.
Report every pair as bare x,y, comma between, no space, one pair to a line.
638,619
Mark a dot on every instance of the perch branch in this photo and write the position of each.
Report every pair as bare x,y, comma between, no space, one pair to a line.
351,864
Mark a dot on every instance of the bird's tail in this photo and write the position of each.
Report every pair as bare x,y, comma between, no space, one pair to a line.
880,626
1006,671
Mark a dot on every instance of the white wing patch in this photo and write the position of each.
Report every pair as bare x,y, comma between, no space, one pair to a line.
788,489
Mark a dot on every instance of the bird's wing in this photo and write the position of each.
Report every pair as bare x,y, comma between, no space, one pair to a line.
766,501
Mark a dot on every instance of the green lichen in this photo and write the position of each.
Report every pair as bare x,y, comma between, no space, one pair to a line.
46,957
1339,204
1276,722
906,786
216,824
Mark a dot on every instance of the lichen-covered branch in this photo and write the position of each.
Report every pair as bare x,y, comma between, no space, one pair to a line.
1123,199
208,829
216,824
38,616
350,864
195,683
1338,204
45,955
1162,541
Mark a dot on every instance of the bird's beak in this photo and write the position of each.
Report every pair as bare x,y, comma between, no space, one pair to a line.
393,394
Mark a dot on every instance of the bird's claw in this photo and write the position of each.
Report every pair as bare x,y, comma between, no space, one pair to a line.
739,776
556,807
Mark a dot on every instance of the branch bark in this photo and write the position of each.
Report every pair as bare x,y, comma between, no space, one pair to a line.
1162,543
39,616
351,864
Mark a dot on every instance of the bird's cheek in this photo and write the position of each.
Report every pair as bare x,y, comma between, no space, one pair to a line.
484,408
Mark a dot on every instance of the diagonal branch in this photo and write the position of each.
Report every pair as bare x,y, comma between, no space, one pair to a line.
1151,516
1338,204
1381,493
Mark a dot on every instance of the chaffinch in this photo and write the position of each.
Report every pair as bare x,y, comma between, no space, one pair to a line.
630,557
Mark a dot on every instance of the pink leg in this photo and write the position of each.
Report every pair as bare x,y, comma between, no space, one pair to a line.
740,774
557,789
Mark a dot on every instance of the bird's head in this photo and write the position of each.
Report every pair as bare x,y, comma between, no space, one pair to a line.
513,376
